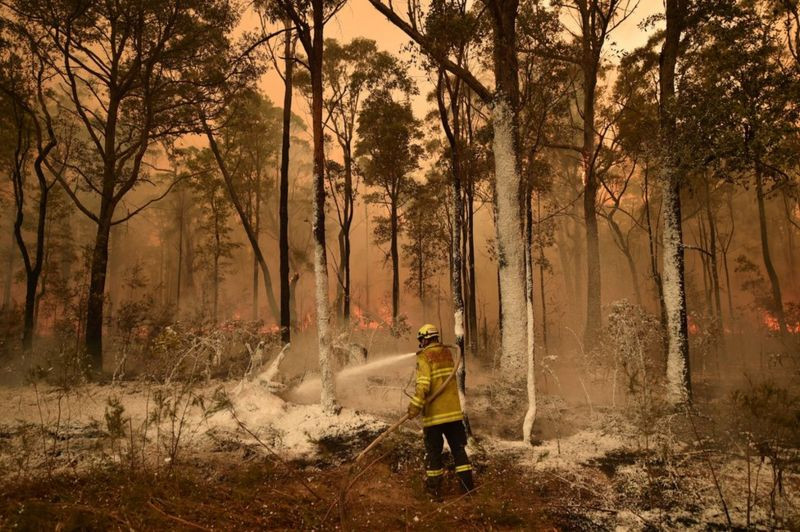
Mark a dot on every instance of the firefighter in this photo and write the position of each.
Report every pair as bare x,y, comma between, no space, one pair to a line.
442,418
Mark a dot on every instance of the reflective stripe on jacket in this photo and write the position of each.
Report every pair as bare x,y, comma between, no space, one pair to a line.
434,365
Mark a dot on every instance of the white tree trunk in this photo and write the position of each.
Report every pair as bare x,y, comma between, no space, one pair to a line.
328,395
514,339
674,294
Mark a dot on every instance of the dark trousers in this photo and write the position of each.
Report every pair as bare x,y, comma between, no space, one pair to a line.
434,442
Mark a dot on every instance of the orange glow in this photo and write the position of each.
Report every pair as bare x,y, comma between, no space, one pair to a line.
269,329
360,320
772,324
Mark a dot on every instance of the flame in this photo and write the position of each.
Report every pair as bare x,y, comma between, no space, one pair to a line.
692,326
773,325
269,329
360,320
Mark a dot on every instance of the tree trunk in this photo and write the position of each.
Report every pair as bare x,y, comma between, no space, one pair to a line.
623,246
678,370
180,264
33,266
366,257
8,279
395,255
530,414
472,304
541,276
283,208
252,237
315,51
678,375
348,220
654,273
97,287
257,229
790,244
593,316
719,329
590,66
777,300
29,322
456,279
217,253
509,242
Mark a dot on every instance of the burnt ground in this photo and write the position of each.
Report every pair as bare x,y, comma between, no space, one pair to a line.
245,491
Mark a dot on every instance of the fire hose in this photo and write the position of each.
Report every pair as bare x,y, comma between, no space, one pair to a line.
406,417
352,477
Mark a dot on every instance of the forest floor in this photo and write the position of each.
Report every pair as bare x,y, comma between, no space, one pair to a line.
223,456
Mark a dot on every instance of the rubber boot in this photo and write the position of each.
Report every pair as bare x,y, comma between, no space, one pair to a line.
433,486
466,482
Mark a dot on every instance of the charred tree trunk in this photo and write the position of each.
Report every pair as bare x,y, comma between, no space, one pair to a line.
593,316
215,278
654,272
283,207
33,265
541,276
347,221
624,247
678,370
97,287
719,328
472,303
530,414
257,229
252,237
777,300
395,256
590,60
456,279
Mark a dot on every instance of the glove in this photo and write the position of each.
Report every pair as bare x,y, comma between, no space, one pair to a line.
413,411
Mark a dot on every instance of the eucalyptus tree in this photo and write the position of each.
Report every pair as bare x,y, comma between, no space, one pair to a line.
743,75
350,71
309,18
504,98
423,250
388,149
249,140
596,21
132,72
31,145
210,191
678,370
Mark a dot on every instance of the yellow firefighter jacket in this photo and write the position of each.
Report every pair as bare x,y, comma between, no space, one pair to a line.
434,365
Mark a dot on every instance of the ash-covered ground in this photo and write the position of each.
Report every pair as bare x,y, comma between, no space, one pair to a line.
258,453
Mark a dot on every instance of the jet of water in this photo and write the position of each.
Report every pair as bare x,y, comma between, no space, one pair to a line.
312,386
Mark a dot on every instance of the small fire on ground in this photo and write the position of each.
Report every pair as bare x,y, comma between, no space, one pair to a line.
772,324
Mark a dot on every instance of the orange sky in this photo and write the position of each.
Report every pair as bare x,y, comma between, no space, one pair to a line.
359,19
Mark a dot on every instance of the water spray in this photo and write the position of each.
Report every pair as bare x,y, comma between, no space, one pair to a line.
352,477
